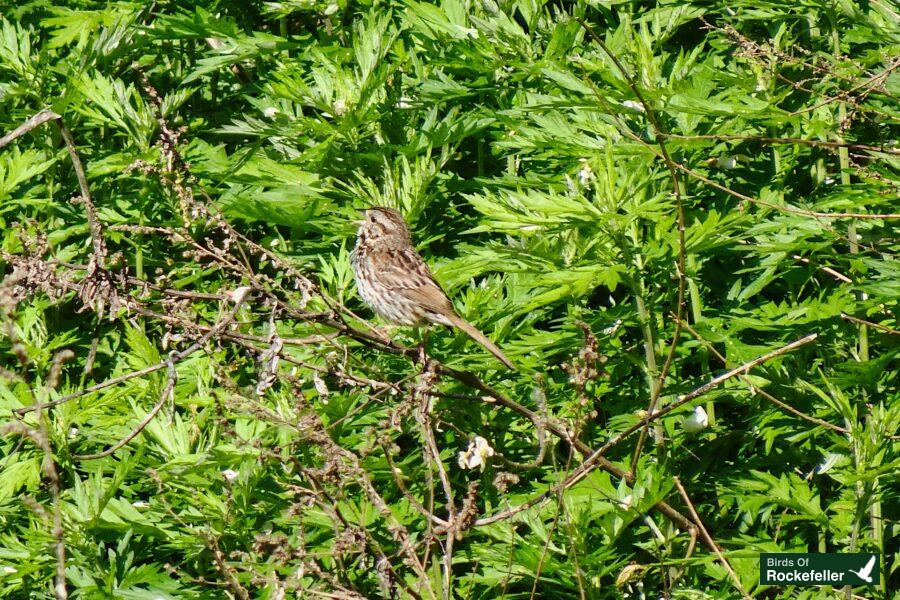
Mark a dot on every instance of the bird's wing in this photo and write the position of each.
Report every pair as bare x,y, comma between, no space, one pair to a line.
864,573
404,272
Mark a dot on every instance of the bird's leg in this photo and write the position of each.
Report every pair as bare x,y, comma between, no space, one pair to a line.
385,332
422,355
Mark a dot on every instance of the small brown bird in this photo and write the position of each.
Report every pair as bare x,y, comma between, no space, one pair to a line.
394,280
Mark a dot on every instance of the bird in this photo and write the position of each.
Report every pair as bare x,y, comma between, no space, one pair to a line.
393,279
866,572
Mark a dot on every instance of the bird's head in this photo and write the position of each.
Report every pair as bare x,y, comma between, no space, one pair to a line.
380,223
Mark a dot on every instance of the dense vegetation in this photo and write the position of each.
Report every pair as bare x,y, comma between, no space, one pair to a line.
630,198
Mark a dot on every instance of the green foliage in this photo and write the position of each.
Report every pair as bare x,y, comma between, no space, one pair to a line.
231,145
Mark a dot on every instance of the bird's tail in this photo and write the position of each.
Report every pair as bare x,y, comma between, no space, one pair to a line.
482,339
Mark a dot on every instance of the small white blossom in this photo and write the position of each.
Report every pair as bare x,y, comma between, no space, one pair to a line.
476,454
586,173
339,107
613,328
698,421
270,112
230,474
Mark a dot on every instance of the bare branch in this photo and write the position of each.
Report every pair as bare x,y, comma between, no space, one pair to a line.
710,542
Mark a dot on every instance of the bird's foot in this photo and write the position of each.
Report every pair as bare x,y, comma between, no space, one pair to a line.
383,332
423,357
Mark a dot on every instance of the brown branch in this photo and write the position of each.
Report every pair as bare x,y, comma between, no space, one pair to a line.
227,570
55,486
783,207
398,480
32,122
172,378
493,396
878,326
595,458
709,541
177,356
782,140
836,274
96,230
783,405
164,397
843,94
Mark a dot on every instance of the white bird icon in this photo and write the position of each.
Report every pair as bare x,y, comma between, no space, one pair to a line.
865,572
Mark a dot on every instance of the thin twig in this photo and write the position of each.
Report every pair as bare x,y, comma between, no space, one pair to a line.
836,274
32,122
710,542
782,140
398,479
172,378
595,459
878,326
219,327
96,230
164,397
784,207
55,486
783,405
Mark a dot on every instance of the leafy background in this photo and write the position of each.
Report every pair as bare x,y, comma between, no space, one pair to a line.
283,448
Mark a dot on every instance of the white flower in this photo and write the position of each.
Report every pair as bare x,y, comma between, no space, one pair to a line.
633,105
698,421
476,454
612,328
230,474
586,173
339,107
270,112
